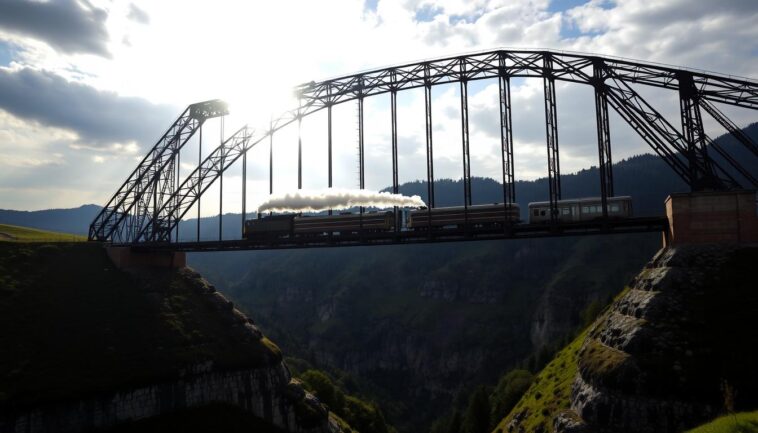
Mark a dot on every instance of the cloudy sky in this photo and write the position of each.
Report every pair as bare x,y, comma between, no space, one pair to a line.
87,87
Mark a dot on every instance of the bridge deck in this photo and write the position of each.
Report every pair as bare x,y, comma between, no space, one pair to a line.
517,231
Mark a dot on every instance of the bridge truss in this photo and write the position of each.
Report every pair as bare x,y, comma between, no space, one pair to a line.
150,204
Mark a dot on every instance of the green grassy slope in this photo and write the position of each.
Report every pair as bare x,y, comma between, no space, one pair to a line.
744,422
25,234
72,325
549,393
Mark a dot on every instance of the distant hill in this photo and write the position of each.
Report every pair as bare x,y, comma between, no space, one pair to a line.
75,221
645,177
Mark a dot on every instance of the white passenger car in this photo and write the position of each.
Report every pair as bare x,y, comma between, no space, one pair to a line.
582,209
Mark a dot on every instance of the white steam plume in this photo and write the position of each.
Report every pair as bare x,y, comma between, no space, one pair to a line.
336,199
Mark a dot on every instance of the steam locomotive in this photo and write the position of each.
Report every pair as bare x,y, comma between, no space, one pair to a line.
296,225
476,216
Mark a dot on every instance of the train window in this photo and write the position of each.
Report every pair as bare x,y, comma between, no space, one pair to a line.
614,208
566,211
536,212
542,213
586,209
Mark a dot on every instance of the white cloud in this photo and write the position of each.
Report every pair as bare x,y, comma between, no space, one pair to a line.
251,53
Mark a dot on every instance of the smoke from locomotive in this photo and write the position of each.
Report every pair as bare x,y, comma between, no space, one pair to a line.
336,199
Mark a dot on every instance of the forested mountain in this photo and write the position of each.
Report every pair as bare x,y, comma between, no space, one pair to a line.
74,220
416,328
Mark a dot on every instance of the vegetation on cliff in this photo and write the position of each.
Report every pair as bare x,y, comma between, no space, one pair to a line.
80,326
352,412
418,325
548,394
743,422
674,349
13,233
76,330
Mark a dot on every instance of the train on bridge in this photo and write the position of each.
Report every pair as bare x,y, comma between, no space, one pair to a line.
478,217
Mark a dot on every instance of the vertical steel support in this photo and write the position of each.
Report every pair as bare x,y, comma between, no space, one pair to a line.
177,182
393,119
299,145
361,167
199,163
694,135
429,144
603,135
361,180
393,113
506,138
221,185
155,205
244,191
270,158
551,130
465,145
329,136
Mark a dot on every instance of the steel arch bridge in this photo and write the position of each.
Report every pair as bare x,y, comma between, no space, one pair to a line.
148,207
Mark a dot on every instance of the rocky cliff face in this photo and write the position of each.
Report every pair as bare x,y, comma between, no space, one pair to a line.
267,393
586,276
421,323
674,349
104,347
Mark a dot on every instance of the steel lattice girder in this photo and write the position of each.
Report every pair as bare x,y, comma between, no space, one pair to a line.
665,140
729,125
651,126
526,63
140,181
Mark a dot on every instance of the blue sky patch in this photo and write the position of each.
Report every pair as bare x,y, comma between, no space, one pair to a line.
570,30
6,54
564,5
427,13
370,5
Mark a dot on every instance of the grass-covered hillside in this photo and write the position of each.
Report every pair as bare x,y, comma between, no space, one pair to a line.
674,350
11,233
419,325
72,325
743,422
549,393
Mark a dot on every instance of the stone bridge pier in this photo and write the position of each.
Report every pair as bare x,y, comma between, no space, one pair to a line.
712,217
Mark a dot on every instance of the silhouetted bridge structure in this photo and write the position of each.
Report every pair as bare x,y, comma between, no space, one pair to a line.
146,210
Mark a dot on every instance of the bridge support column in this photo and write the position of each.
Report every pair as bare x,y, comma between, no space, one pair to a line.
707,217
551,132
605,166
127,258
506,137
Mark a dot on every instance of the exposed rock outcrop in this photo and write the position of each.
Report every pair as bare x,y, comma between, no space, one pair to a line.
266,392
219,357
662,357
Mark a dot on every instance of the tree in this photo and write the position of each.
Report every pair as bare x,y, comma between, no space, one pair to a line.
477,417
508,392
324,389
